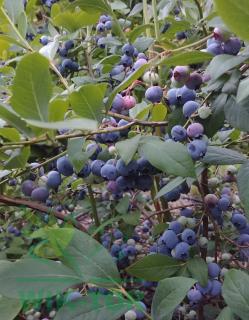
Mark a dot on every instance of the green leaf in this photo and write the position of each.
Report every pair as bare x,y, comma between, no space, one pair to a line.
138,30
87,102
14,8
73,21
100,6
170,186
22,24
187,58
75,153
77,123
12,118
242,92
235,292
223,156
159,112
154,267
143,43
235,14
32,88
132,218
18,158
243,185
93,307
159,228
57,110
35,278
123,205
170,157
226,314
9,308
168,295
90,260
223,63
237,114
127,148
198,269
10,134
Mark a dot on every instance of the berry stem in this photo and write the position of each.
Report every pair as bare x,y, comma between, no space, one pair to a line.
156,22
146,17
94,208
201,17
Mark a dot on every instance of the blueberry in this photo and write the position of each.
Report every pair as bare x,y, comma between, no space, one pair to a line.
181,74
115,249
175,226
243,239
239,220
188,236
63,52
204,290
224,203
96,166
184,95
125,183
144,182
154,94
178,133
72,296
117,234
189,108
213,270
144,167
110,137
85,171
216,288
232,46
69,44
64,166
129,102
172,97
172,195
100,27
27,187
211,200
215,48
93,149
40,194
195,130
109,172
127,169
44,40
197,149
170,239
195,81
182,251
128,49
54,179
142,55
187,212
194,295
139,63
126,61
104,18
108,25
181,35
117,70
118,103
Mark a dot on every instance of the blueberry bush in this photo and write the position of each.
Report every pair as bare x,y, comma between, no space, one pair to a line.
124,159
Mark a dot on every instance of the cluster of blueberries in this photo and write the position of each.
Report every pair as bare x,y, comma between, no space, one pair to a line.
213,288
223,43
103,27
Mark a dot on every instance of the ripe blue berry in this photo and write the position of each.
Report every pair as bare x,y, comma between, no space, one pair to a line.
126,61
216,288
213,270
64,166
27,187
172,97
181,74
195,81
128,49
184,95
197,149
40,194
170,239
72,296
178,133
194,295
96,166
154,94
69,44
189,108
175,226
188,236
232,46
144,182
182,251
239,220
109,172
54,179
127,169
224,203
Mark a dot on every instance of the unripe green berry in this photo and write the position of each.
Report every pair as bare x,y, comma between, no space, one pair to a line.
203,242
204,112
